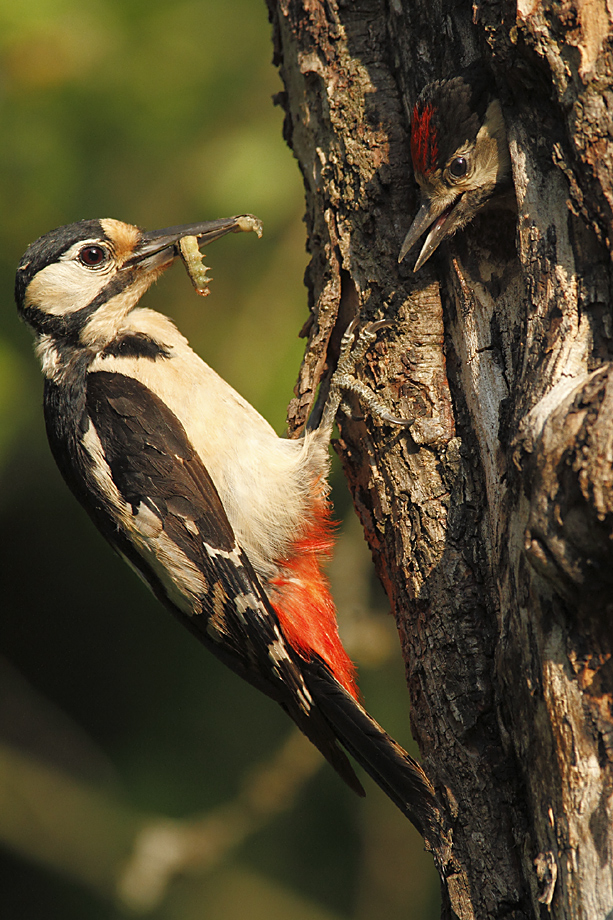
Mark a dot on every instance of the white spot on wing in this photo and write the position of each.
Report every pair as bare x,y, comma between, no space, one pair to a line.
245,603
147,522
277,652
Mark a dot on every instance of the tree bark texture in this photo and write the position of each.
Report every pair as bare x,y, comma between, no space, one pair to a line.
490,522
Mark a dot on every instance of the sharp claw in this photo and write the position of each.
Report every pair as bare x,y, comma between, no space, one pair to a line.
353,348
379,324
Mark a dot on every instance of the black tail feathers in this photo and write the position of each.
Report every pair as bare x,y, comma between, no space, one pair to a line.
386,762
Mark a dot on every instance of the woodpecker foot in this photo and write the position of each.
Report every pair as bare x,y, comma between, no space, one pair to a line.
354,346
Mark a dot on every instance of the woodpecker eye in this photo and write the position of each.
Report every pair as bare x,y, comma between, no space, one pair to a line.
93,256
458,167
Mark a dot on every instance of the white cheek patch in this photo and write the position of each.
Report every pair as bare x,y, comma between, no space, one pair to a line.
65,287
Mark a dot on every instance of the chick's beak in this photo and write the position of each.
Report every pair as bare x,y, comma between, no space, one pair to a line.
434,214
158,248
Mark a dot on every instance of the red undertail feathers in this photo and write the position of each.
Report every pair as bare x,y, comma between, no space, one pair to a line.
301,599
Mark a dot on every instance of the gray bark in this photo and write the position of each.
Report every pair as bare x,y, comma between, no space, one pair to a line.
490,522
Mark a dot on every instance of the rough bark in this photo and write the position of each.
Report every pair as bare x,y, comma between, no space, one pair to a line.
490,522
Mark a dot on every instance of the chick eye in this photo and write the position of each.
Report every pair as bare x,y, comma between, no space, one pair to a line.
458,167
93,256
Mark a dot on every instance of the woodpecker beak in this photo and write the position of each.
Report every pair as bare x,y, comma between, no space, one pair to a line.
424,217
158,248
443,217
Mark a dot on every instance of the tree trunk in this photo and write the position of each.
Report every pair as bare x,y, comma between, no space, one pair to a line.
490,522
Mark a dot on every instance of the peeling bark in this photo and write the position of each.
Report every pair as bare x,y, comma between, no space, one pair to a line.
490,522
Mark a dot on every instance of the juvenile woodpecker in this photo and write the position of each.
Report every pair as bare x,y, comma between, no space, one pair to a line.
460,156
225,521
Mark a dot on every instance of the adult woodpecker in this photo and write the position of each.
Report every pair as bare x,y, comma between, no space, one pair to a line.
226,522
460,156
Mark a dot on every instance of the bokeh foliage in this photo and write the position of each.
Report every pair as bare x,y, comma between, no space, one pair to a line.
110,716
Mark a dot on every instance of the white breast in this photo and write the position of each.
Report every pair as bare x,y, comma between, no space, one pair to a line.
265,482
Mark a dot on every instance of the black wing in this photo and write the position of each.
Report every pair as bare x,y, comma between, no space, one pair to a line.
154,466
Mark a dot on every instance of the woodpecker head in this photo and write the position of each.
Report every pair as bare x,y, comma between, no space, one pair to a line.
460,157
101,269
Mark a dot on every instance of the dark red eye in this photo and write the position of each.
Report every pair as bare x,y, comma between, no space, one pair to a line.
93,256
458,167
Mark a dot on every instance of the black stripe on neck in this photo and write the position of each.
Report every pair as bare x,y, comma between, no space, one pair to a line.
135,345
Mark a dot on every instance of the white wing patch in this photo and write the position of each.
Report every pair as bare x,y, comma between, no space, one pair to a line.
246,602
184,582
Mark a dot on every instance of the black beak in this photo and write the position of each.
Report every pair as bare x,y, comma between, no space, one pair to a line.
431,214
163,244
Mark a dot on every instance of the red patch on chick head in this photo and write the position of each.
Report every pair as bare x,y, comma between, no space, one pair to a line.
424,145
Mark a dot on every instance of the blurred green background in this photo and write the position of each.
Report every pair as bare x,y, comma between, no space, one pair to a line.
137,776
